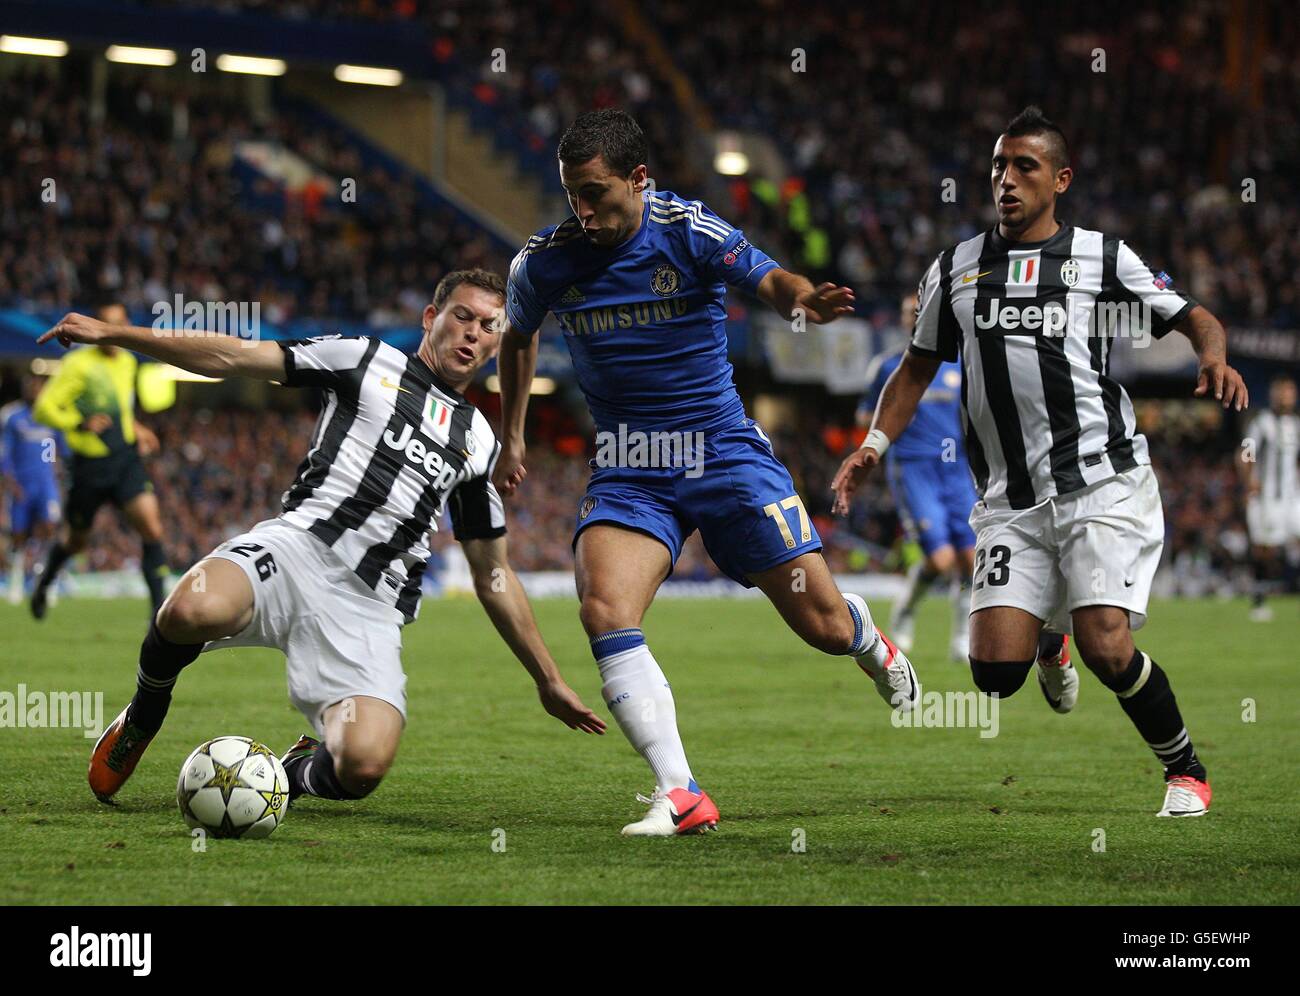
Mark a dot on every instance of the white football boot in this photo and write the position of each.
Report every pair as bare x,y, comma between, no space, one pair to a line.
893,674
1186,796
677,811
1059,680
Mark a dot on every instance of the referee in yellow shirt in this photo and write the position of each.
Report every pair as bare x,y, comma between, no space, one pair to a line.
92,400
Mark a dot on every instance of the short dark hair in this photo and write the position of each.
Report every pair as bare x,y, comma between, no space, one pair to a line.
476,277
610,133
1032,121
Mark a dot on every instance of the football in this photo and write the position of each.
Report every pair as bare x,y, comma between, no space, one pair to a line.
233,787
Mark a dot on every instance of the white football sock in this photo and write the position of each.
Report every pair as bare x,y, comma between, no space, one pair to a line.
960,609
16,558
637,693
870,647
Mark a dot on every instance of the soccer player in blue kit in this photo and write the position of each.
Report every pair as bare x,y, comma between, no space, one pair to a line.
931,483
27,461
637,279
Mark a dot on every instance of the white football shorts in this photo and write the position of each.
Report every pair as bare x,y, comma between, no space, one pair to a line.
338,638
1097,546
1272,522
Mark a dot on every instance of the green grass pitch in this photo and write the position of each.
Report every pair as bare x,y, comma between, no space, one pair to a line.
794,747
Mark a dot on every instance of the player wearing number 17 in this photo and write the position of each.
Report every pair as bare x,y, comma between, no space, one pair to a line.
1069,527
637,280
333,579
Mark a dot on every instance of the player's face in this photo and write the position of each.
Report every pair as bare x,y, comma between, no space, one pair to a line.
31,387
113,314
608,205
1282,395
464,335
1025,183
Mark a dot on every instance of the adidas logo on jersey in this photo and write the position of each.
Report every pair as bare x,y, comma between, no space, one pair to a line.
421,452
1050,318
572,296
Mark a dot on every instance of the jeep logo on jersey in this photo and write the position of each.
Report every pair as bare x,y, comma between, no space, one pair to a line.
1050,319
666,280
420,450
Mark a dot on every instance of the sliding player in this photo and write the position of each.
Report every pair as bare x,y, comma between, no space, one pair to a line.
332,580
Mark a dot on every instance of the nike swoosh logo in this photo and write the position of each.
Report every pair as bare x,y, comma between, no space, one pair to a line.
967,280
385,382
678,817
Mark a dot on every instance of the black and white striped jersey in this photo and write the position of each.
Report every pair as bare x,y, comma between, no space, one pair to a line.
393,444
1034,324
1275,438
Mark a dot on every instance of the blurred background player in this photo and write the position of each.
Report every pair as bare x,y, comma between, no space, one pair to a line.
28,460
1272,491
91,399
638,279
931,484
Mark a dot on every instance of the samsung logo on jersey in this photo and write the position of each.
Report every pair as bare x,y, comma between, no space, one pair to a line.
421,453
1050,319
624,316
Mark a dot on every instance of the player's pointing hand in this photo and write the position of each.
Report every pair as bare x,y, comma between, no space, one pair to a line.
825,303
853,471
73,327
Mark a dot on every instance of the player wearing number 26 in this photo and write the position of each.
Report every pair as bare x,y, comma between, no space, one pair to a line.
333,579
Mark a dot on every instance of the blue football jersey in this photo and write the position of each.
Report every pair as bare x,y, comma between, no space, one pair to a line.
938,416
645,321
27,448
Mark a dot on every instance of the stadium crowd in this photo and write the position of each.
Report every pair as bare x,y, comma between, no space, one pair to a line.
867,163
143,213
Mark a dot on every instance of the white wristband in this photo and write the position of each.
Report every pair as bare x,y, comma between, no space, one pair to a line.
877,440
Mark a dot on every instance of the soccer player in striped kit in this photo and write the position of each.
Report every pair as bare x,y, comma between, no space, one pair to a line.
1272,485
1069,527
335,577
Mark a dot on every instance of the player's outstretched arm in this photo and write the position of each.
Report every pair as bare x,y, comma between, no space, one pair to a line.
516,364
506,603
1210,341
212,356
897,405
787,292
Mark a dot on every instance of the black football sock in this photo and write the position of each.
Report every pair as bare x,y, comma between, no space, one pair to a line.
1145,695
315,775
58,556
160,663
1049,645
1261,582
154,567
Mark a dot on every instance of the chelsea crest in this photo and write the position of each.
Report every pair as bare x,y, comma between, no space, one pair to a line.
666,281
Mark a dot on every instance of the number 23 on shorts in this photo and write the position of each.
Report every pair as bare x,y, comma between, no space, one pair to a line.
999,566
